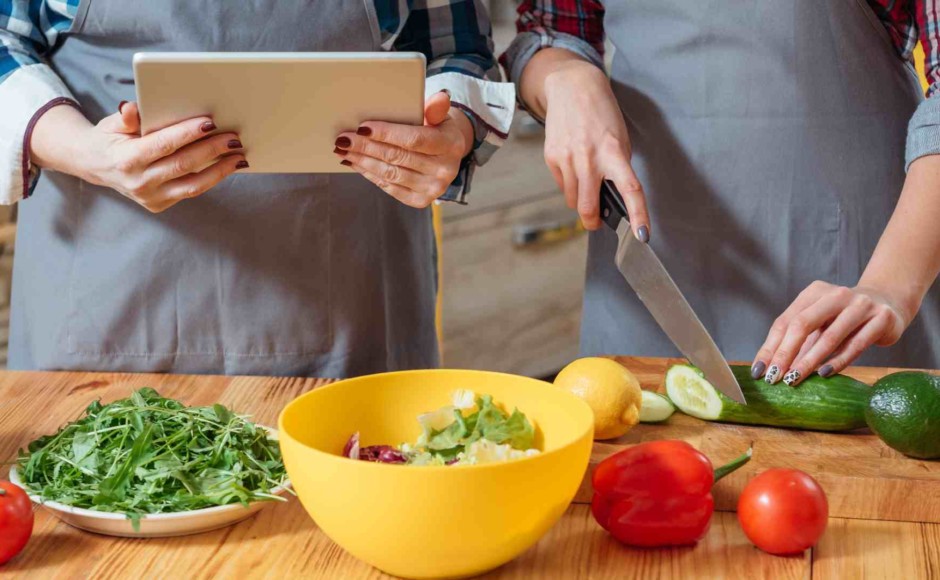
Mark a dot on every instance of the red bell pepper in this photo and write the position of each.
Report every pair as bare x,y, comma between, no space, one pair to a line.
657,493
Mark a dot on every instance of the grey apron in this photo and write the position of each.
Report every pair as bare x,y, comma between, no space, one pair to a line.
769,137
264,274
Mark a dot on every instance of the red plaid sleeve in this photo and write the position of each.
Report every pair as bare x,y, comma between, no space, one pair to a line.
927,16
581,18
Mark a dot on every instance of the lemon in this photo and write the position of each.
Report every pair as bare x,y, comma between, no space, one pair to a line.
612,392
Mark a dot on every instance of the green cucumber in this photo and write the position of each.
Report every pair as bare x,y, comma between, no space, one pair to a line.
655,408
836,403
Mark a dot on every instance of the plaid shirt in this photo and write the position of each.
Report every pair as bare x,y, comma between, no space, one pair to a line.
454,35
578,26
907,21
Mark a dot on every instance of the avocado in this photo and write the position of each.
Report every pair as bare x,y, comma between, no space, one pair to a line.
904,410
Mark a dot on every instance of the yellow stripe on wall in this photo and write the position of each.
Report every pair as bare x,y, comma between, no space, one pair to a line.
919,64
439,309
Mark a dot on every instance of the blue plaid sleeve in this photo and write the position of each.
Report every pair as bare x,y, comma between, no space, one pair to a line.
456,37
29,29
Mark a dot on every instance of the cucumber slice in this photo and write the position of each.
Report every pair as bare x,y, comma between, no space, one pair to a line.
688,389
836,403
655,408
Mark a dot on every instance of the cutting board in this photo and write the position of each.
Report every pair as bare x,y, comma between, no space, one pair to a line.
863,478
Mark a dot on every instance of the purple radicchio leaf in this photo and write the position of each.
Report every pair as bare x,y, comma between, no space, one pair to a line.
382,454
351,449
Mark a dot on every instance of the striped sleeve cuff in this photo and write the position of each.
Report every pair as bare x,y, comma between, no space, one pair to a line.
490,107
24,95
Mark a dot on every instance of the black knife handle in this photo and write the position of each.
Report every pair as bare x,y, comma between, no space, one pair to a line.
612,207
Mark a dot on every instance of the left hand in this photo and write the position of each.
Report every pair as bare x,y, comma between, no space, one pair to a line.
415,165
828,324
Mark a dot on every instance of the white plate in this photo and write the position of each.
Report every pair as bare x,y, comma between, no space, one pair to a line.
153,525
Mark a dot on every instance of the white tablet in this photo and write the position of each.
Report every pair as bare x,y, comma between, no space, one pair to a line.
287,108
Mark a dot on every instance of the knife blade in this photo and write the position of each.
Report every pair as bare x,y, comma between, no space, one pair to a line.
642,269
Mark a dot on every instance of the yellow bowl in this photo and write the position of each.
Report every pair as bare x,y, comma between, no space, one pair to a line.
432,522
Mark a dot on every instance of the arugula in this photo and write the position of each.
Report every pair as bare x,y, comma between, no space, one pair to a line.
147,454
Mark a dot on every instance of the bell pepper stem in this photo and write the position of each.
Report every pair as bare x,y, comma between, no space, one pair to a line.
733,465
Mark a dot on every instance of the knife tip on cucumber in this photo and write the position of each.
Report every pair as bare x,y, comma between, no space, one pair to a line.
836,403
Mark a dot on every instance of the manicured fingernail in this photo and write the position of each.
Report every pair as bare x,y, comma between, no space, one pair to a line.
364,131
339,151
757,369
772,373
121,106
343,142
207,127
792,377
241,164
346,162
234,144
825,370
643,234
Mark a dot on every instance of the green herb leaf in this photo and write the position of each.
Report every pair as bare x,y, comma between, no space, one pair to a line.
148,454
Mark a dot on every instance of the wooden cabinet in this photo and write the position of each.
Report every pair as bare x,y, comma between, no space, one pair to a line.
513,266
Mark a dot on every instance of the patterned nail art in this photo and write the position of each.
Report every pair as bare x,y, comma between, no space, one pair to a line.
791,377
772,373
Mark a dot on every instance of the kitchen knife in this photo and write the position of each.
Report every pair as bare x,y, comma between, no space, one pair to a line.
652,283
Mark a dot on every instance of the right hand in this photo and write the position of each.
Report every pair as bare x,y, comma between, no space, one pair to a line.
586,141
156,171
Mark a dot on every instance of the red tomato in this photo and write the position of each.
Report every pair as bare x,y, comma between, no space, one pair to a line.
16,520
783,511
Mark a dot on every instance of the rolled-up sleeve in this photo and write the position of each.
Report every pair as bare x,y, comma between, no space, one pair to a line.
456,38
574,25
28,86
923,132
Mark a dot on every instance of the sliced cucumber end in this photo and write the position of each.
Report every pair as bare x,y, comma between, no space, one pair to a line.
694,395
655,408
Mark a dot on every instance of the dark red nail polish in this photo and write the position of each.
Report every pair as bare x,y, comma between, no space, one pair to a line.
234,144
339,151
207,127
343,142
346,162
121,106
364,131
241,164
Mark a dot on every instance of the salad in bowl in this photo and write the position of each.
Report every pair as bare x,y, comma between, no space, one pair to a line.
470,431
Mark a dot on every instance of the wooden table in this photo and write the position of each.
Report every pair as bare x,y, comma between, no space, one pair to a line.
282,541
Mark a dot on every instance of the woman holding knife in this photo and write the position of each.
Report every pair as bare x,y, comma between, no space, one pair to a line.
130,257
768,141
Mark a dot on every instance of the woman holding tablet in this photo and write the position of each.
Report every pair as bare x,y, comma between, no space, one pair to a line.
152,253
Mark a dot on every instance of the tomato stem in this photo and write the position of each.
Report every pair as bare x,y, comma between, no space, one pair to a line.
2,491
733,465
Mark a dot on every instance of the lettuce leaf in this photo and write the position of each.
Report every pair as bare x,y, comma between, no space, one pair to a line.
448,436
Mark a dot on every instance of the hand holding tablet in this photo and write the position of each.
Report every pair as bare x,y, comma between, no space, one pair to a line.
287,108
415,165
